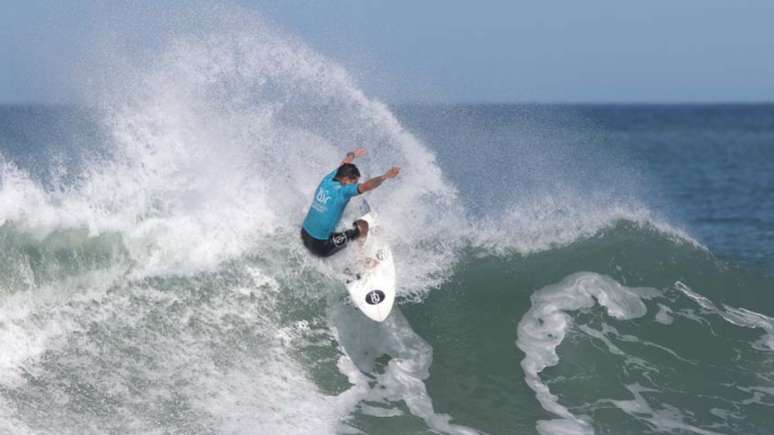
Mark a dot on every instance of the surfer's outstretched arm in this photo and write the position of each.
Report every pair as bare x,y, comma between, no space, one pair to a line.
375,182
352,155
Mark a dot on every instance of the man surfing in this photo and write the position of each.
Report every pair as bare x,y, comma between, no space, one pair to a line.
330,199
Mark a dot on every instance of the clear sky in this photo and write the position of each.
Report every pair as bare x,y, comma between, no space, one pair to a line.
454,51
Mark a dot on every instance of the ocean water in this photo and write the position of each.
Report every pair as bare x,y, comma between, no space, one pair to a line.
562,269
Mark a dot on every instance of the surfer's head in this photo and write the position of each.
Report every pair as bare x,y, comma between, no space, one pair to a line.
347,174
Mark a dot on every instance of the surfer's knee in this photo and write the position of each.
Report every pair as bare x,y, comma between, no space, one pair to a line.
362,228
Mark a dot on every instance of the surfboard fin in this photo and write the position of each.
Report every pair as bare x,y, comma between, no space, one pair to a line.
365,208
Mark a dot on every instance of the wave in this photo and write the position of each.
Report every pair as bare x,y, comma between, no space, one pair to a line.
544,327
164,282
611,335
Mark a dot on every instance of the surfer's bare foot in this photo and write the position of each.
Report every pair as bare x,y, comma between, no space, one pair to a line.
362,228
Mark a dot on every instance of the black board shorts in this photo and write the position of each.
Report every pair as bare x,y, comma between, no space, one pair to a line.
335,243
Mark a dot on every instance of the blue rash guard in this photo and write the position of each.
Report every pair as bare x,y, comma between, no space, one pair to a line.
330,199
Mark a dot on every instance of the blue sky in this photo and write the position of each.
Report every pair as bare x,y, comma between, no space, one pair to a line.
452,51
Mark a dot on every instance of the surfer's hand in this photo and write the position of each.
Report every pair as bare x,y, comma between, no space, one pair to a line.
375,182
392,172
352,155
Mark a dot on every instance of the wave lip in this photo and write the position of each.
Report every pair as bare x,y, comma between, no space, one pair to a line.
553,221
544,326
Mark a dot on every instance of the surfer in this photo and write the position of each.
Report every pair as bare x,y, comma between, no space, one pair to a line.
330,199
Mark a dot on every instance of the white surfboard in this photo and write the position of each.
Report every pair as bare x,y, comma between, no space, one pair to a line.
371,279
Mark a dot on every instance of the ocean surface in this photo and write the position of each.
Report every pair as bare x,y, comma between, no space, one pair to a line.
562,269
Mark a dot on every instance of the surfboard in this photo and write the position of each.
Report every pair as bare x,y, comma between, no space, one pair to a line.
371,279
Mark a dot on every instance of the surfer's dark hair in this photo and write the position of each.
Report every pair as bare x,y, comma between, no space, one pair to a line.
347,170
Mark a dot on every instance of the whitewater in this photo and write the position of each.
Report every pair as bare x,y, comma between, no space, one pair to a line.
155,282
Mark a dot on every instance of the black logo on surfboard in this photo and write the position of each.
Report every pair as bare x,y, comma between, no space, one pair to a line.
374,297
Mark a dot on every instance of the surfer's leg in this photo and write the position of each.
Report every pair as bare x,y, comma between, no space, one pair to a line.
361,227
338,241
317,247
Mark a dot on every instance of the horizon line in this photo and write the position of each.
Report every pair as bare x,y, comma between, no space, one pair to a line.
6,104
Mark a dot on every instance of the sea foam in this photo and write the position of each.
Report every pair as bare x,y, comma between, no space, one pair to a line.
545,325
